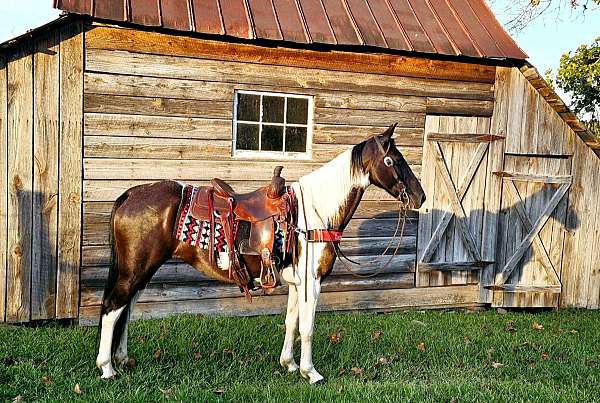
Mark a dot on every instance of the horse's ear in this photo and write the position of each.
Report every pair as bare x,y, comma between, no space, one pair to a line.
387,135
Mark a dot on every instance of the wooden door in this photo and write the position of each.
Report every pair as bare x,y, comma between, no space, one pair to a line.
531,231
455,242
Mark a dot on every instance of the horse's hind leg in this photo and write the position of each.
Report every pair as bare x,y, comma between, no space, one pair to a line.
121,356
103,361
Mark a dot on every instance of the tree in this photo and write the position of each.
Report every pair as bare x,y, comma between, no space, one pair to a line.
522,12
579,76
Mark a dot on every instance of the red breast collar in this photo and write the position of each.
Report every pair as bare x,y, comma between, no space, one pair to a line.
324,235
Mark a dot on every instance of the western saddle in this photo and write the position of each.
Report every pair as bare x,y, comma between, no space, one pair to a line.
260,213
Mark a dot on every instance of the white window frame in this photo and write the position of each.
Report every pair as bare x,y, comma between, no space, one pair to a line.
260,154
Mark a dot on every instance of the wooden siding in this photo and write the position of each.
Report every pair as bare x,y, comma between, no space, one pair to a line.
161,112
40,223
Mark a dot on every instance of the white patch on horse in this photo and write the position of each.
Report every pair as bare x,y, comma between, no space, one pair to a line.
326,190
103,361
321,196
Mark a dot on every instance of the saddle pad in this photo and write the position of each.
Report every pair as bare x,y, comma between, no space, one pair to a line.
193,231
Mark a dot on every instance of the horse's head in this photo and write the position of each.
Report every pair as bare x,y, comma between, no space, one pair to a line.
387,169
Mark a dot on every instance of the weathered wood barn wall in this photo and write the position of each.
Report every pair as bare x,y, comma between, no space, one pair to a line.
92,109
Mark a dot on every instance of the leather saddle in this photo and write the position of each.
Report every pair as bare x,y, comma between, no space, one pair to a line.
262,210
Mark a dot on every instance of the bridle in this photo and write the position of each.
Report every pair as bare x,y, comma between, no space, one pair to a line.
403,203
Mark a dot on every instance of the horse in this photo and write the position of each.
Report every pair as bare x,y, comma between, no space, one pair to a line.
142,227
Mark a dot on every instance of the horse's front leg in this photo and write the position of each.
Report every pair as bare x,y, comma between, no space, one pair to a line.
308,306
286,359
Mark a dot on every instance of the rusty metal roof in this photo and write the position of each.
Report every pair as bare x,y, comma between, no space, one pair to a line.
447,27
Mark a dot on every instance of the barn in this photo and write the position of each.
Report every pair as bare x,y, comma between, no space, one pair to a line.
116,93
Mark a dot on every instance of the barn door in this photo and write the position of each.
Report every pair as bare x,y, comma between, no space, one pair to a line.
531,231
454,243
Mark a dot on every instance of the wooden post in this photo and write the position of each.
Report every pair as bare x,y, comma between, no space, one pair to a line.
20,166
3,183
70,168
45,177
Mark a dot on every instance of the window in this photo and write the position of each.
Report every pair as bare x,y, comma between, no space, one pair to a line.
271,124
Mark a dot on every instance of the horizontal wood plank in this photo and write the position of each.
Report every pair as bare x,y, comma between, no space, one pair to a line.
363,117
386,300
449,106
157,106
344,134
208,289
107,61
160,43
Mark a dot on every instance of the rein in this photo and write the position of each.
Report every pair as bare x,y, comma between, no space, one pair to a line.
403,202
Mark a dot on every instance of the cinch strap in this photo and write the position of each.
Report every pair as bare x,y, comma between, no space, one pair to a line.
323,235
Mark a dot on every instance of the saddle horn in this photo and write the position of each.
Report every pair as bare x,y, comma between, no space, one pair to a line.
277,186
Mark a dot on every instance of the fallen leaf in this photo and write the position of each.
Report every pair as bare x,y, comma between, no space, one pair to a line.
47,381
454,400
131,363
336,336
421,346
502,311
510,327
573,331
77,389
417,322
489,353
357,371
545,356
341,372
467,340
157,354
376,335
167,393
219,391
228,351
140,339
537,326
17,398
339,390
197,356
383,360
497,365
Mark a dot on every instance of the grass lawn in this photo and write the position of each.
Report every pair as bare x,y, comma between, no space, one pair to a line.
416,356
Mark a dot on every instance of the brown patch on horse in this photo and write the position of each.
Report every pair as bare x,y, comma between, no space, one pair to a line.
326,261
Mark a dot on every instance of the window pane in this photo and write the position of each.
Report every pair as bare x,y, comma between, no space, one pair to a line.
297,110
247,137
272,138
248,107
295,139
273,109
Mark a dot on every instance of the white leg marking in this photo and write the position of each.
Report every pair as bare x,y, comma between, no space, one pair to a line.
286,359
104,353
290,276
308,305
121,356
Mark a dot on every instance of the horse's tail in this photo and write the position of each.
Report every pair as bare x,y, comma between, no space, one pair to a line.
113,270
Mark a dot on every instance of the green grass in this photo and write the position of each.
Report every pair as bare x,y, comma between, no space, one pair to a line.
238,359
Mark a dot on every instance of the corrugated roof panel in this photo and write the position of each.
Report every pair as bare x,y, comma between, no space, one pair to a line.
207,16
390,28
145,12
317,22
446,27
413,29
290,21
369,30
476,31
235,19
175,14
110,10
74,6
506,44
454,28
343,27
265,21
432,28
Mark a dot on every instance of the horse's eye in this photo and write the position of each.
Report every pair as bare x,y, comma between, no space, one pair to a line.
388,161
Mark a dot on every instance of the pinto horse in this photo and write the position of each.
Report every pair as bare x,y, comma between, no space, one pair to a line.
142,239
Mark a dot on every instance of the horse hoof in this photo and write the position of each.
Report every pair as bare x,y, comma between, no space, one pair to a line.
320,382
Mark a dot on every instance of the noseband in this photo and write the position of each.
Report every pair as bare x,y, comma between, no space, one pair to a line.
389,162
